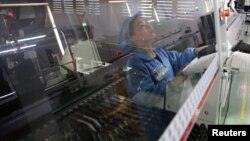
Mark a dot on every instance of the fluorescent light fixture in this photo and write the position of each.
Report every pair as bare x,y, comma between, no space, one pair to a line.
31,38
7,95
121,1
150,6
147,16
9,50
186,2
117,1
212,2
29,46
151,20
58,39
129,12
15,49
156,15
206,6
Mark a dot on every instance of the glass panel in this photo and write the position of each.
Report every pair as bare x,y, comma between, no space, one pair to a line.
28,49
234,103
89,92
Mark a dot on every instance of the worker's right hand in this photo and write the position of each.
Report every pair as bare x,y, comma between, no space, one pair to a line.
205,50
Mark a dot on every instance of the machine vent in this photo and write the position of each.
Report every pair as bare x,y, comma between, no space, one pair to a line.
146,8
69,6
185,9
94,7
164,8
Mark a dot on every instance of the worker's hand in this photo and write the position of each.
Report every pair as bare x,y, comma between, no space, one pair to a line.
197,50
179,78
205,50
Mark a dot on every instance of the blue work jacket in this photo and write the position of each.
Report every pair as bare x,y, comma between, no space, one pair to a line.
140,66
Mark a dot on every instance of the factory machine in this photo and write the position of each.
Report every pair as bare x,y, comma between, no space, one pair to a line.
220,96
231,83
62,70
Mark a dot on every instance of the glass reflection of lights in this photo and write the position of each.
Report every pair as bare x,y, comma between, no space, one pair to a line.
31,38
15,49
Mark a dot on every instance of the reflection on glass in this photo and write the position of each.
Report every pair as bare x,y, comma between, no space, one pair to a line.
6,90
95,90
27,49
234,105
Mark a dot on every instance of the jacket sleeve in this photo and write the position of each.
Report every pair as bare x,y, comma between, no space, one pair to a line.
140,80
179,60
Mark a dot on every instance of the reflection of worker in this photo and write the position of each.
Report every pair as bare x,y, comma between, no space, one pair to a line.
151,70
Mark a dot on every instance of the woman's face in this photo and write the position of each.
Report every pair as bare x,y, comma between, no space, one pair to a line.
142,31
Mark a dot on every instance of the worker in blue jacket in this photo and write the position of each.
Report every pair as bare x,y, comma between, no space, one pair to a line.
151,71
